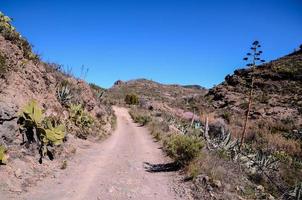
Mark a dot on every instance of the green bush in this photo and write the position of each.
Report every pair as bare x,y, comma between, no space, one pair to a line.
183,148
131,99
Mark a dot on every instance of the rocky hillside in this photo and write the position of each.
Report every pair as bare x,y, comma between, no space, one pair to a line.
267,166
171,98
277,99
44,112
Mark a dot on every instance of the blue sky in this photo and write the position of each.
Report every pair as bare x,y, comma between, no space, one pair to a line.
170,41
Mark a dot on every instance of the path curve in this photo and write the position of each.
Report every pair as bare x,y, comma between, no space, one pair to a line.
113,169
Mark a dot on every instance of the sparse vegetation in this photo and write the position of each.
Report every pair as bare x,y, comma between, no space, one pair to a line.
9,33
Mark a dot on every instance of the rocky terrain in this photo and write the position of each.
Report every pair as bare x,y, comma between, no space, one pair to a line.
62,99
274,131
169,98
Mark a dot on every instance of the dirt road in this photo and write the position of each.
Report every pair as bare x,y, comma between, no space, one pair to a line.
114,169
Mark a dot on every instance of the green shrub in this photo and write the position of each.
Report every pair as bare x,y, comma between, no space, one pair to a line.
38,130
131,99
183,148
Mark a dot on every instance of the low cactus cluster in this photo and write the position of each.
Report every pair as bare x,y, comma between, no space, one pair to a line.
80,117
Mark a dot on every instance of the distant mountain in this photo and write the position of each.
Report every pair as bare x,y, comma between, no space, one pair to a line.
170,94
194,87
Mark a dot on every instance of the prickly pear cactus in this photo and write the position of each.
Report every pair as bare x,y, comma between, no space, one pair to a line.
55,135
40,130
32,113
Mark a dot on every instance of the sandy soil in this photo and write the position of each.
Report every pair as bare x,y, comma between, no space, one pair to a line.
114,169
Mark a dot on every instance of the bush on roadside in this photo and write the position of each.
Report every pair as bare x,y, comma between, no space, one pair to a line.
140,117
183,148
131,99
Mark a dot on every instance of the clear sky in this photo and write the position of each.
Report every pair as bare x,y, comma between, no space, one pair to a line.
170,41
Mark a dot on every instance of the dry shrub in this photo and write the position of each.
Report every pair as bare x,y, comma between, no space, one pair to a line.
211,117
278,142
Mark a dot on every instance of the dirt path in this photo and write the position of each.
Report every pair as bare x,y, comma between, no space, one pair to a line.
114,170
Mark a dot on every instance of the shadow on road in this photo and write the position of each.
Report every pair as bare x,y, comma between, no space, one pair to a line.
166,167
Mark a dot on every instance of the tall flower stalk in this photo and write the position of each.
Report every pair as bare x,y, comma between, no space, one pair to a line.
253,58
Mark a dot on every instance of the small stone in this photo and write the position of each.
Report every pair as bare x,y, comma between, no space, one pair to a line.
240,189
18,173
260,188
270,197
217,183
209,188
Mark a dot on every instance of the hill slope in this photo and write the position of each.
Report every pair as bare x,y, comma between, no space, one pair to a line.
64,100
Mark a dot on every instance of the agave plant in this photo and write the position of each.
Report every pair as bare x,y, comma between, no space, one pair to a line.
296,193
64,94
222,141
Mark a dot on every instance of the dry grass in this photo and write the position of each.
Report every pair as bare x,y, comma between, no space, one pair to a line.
279,143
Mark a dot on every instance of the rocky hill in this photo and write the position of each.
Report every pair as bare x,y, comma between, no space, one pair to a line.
170,98
276,107
277,101
275,121
44,112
